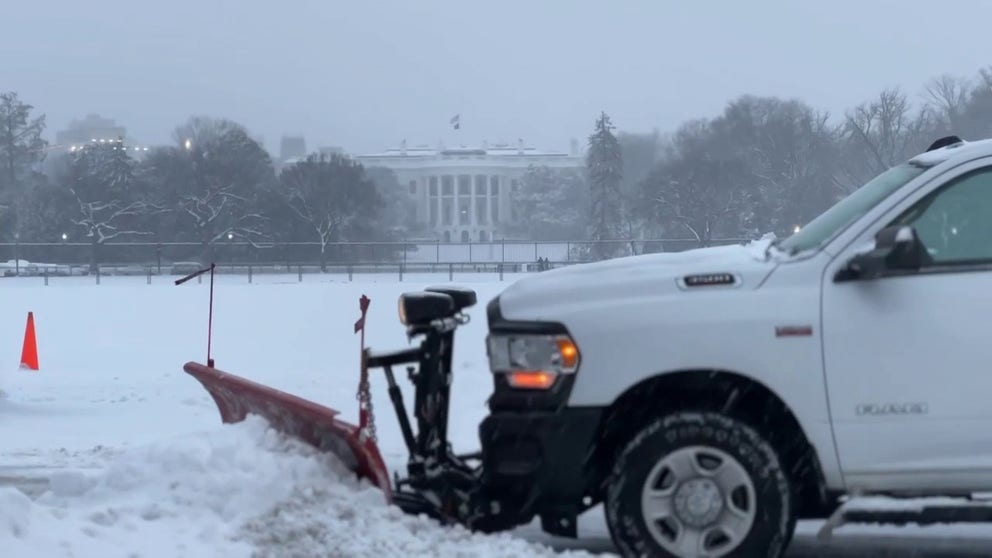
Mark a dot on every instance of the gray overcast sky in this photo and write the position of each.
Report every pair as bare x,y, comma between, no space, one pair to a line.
366,74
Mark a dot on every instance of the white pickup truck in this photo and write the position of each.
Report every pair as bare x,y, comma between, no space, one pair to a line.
711,398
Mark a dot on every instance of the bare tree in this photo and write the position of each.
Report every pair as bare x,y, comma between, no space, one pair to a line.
211,180
700,190
883,133
789,151
948,96
99,180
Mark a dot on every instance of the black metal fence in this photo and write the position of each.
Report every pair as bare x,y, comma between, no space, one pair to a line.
134,258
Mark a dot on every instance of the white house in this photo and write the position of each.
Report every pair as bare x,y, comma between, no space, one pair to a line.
463,194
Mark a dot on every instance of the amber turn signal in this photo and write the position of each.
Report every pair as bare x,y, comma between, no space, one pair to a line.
531,379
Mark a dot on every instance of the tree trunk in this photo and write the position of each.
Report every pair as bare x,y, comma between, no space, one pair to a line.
206,252
94,260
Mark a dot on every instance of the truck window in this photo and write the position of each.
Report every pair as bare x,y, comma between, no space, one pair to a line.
955,221
849,209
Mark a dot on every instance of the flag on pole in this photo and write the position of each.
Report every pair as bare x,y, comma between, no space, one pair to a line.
456,121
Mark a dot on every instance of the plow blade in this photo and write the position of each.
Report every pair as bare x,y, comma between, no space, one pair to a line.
315,424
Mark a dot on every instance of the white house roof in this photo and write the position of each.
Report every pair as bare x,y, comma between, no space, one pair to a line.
488,151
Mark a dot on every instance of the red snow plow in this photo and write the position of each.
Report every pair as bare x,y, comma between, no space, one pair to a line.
439,484
314,424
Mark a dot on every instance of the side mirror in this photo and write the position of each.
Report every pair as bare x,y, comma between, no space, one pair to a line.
897,249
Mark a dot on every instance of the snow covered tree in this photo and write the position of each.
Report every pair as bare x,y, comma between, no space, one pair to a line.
397,217
604,165
789,151
641,153
331,197
699,189
21,150
106,206
211,181
551,204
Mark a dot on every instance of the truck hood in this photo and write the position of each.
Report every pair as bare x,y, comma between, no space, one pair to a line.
545,294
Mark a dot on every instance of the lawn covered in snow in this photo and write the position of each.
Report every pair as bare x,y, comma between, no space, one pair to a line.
124,454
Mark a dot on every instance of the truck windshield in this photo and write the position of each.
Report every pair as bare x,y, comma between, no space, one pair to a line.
850,208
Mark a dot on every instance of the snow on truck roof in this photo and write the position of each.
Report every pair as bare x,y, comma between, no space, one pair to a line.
950,147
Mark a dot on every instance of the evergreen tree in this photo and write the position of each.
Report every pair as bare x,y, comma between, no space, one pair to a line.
604,165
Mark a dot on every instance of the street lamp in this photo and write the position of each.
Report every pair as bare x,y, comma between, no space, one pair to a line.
230,236
17,254
64,237
188,144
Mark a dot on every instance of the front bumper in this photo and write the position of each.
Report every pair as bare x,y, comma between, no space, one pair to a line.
537,463
536,451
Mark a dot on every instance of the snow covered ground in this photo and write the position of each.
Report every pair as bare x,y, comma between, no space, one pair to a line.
111,450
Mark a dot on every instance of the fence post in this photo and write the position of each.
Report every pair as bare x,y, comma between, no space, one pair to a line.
451,272
46,277
401,273
350,272
249,274
97,275
149,270
500,268
299,271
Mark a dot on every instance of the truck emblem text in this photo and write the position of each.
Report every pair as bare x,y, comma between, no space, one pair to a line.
709,279
885,409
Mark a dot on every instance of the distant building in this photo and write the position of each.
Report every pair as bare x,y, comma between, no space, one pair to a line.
95,129
463,194
92,128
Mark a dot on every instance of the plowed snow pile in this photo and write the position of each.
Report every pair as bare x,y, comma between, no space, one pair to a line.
237,490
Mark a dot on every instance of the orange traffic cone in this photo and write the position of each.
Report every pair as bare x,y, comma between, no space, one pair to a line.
29,354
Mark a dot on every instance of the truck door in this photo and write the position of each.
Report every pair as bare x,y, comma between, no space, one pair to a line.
908,359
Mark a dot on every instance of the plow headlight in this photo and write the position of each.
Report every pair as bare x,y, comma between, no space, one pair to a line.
423,307
532,361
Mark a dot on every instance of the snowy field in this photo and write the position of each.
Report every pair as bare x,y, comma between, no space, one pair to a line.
112,450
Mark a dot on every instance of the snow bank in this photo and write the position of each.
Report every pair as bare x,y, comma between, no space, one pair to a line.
236,490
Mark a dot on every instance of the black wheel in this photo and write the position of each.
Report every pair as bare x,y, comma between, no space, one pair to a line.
699,484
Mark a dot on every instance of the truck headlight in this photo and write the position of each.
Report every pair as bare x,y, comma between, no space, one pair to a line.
532,361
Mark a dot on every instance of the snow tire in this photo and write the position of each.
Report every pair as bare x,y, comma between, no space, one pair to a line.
774,516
